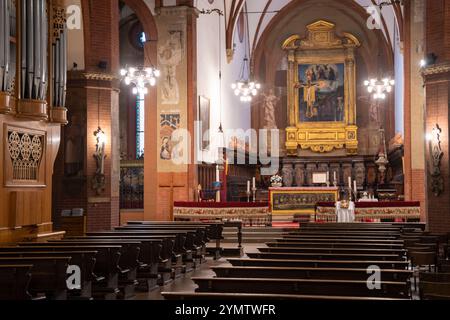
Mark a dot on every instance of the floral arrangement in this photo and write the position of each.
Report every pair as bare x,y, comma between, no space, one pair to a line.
276,181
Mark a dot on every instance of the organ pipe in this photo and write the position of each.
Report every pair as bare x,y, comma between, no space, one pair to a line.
39,68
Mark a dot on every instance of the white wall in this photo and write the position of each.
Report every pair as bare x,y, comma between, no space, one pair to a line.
235,114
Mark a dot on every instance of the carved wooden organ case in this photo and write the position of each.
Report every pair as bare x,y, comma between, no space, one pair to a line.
321,47
33,50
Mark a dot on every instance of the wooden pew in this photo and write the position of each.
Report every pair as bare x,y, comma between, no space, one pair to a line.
341,236
48,275
15,281
339,240
323,244
222,296
174,267
390,289
309,273
349,233
83,259
315,263
106,277
128,263
326,256
155,252
186,242
303,249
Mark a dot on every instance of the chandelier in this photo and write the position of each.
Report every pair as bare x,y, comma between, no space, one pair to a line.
245,88
140,78
379,88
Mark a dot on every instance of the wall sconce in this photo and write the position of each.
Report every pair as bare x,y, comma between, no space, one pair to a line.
98,180
436,154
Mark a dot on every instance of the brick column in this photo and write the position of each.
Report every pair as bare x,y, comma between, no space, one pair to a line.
437,89
93,100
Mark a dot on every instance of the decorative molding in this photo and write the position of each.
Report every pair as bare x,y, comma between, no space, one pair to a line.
86,75
24,151
436,69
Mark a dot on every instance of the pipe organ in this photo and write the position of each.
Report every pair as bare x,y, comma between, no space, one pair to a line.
33,75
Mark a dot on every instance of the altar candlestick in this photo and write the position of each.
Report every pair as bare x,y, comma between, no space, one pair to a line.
217,173
248,186
354,186
328,176
254,182
334,177
350,183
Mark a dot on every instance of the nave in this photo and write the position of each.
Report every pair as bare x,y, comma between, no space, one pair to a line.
154,260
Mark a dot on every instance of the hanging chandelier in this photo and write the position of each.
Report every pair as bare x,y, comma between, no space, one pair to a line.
244,87
379,88
140,78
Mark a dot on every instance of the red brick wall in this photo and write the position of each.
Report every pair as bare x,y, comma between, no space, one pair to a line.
91,100
437,88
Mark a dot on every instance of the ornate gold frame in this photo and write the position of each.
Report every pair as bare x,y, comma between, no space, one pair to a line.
322,46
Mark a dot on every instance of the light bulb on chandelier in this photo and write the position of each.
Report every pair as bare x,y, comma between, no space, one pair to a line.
379,88
141,78
246,89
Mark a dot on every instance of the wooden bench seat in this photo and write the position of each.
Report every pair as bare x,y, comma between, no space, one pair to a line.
326,256
14,281
287,244
341,236
222,296
48,274
339,240
309,273
319,249
85,260
155,252
390,289
106,284
314,263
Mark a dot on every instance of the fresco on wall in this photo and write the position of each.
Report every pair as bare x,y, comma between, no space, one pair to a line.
169,149
170,55
321,92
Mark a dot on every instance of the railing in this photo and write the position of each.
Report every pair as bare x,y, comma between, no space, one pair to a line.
132,184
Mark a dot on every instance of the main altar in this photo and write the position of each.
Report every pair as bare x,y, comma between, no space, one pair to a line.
299,200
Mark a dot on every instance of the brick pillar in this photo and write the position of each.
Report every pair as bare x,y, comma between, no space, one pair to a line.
437,88
176,109
93,100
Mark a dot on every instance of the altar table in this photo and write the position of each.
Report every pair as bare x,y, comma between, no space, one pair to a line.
295,200
250,213
364,211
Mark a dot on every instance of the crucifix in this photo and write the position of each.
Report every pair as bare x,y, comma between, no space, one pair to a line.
309,93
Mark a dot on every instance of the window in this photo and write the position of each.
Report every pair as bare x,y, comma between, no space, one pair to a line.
140,125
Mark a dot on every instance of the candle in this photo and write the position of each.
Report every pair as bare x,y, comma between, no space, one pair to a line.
334,177
248,186
354,185
350,183
217,173
254,183
328,176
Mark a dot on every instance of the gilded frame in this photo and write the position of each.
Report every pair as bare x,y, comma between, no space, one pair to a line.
321,46
311,211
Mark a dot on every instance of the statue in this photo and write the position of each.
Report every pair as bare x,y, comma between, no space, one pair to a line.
288,175
270,101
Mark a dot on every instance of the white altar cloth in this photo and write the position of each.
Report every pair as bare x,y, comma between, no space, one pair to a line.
345,215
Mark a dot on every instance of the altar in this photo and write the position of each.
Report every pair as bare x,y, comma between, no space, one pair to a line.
303,200
372,211
250,213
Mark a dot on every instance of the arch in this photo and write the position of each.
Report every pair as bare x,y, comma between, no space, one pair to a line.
349,15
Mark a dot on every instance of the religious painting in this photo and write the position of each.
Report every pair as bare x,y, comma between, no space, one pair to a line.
169,148
204,119
321,92
321,85
299,201
170,55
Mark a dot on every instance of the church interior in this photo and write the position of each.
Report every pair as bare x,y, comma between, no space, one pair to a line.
224,149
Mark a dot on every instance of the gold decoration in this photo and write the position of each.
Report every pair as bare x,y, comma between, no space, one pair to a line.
321,46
